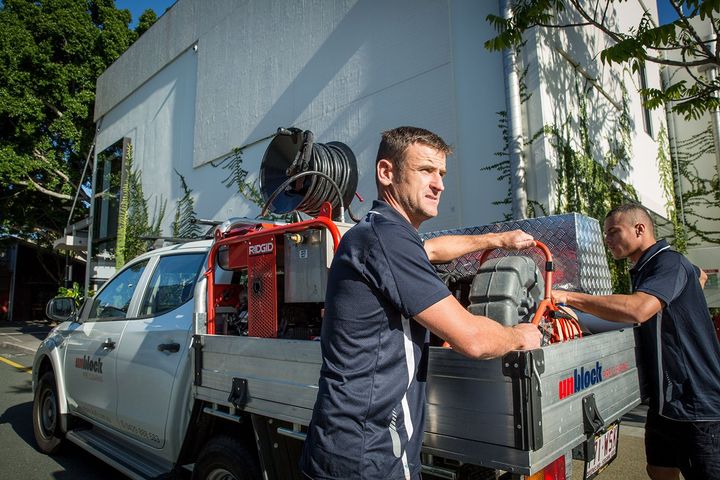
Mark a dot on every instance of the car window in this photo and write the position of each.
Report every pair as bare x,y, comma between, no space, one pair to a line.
113,300
172,283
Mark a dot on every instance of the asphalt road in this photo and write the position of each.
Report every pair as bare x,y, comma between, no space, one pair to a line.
20,459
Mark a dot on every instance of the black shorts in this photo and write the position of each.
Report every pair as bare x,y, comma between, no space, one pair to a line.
693,447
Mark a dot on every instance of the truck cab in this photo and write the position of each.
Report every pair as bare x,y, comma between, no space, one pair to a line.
122,363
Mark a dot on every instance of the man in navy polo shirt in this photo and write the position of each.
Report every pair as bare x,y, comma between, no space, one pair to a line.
679,349
383,295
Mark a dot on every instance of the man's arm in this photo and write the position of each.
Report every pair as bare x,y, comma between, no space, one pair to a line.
473,335
702,277
449,247
637,307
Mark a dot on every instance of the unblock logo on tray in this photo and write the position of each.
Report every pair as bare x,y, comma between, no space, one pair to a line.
584,378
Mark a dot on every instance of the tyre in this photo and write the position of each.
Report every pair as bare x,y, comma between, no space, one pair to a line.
46,415
475,472
225,458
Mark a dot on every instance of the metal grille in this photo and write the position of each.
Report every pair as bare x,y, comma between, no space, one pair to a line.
262,292
575,241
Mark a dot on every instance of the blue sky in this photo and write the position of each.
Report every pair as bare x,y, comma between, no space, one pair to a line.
666,13
136,7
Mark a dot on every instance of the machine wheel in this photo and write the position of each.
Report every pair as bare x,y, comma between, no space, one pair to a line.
46,415
225,458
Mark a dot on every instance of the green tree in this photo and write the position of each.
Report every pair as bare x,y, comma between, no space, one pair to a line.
51,53
676,44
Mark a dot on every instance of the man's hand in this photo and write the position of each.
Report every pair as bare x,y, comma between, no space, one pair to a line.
528,335
560,296
516,240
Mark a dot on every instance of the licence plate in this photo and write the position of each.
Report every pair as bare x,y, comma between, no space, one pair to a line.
606,446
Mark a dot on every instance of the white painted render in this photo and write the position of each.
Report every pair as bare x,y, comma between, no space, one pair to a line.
213,75
700,211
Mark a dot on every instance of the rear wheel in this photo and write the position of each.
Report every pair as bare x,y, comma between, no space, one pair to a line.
225,458
46,415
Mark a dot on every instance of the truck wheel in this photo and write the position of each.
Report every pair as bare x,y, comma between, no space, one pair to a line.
46,415
225,458
475,472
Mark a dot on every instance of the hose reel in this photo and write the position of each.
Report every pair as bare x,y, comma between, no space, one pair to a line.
297,173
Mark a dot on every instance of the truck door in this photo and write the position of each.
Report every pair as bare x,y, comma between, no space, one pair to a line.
153,358
92,347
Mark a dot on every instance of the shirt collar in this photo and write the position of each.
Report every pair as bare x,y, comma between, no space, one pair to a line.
656,248
380,207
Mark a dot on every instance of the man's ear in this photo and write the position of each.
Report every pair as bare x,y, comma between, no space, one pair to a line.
639,229
384,171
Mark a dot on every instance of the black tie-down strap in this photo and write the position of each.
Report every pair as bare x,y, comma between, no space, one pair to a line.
238,392
592,425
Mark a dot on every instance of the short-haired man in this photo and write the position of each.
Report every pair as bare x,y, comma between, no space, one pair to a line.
679,348
383,295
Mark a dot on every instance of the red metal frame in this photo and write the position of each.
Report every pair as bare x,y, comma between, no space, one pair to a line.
323,220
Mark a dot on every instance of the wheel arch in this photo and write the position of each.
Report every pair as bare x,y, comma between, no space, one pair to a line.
204,426
49,360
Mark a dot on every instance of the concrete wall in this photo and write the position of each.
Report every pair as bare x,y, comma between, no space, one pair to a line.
214,75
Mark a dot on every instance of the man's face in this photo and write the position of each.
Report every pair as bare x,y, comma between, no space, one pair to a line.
621,236
419,183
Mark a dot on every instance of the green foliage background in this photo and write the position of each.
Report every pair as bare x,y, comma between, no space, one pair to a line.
51,53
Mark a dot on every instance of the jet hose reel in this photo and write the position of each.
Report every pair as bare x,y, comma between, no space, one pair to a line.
297,173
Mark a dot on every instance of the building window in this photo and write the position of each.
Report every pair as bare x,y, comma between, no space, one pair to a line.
106,206
647,118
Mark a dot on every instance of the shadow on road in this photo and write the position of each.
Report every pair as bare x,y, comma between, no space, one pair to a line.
36,328
75,462
19,417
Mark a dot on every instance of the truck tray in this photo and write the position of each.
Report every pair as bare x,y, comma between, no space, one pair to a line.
517,413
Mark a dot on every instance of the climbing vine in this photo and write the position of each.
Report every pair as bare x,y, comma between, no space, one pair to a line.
133,219
667,182
585,185
123,209
700,196
185,224
238,177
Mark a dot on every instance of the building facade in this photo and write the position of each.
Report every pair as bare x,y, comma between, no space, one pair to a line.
212,78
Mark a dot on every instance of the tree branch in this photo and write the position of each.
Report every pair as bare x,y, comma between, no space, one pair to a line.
54,109
38,154
684,20
44,190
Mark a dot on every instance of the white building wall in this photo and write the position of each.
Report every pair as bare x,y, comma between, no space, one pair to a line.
213,75
563,65
702,211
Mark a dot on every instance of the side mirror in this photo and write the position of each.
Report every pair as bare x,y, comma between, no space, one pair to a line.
60,309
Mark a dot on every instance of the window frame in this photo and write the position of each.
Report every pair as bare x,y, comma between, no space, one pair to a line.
140,286
148,284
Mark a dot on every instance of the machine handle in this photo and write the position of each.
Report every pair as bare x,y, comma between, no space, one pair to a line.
108,344
548,266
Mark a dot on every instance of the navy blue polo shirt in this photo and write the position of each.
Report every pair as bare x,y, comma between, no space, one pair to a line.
368,420
679,347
